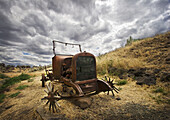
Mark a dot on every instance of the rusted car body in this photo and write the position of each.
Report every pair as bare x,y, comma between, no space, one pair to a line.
75,71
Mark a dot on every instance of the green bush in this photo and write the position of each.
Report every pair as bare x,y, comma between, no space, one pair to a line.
15,94
24,76
131,40
122,82
2,96
21,87
2,76
13,80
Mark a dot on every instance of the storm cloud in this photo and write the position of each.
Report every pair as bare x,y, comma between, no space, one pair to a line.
28,27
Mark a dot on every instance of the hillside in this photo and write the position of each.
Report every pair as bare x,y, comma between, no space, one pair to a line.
146,60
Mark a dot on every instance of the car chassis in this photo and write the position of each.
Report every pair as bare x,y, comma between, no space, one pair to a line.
76,75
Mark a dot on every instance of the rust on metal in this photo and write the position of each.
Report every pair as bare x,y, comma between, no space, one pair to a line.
77,72
65,45
58,64
75,66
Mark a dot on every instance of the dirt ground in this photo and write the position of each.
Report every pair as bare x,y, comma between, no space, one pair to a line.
136,103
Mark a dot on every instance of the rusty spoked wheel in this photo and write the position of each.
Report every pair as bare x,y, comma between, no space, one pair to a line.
110,82
52,97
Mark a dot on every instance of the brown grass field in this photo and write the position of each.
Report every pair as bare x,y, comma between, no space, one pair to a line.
136,103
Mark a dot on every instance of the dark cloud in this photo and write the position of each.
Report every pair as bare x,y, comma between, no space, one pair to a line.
7,30
5,43
36,22
8,58
87,32
99,25
5,5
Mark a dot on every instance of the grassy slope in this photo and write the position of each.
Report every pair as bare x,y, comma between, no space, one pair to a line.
152,54
146,53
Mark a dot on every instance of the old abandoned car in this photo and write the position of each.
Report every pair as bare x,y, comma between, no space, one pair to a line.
73,76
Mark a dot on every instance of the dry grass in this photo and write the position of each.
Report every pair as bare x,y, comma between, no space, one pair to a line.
146,53
150,53
14,74
135,103
113,60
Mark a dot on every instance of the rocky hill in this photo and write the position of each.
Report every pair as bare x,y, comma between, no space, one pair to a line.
146,60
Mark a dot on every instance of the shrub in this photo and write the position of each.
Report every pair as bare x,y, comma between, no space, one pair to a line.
21,87
24,76
122,82
15,94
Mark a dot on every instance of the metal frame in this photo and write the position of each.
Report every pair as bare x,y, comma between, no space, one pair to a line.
65,45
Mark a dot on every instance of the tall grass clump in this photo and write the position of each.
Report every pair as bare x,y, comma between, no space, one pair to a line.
122,82
109,61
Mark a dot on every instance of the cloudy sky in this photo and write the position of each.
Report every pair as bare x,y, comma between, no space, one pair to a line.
27,27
